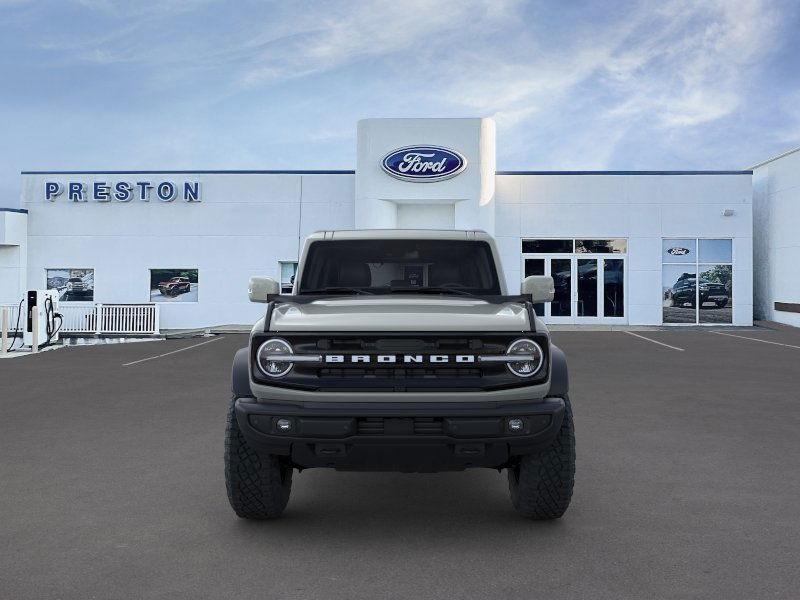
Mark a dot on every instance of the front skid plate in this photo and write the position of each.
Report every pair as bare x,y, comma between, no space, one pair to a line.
340,437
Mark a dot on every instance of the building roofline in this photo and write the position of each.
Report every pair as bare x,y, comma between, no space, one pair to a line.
197,172
738,172
781,155
24,211
348,172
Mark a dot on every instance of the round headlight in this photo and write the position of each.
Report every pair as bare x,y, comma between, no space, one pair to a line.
527,348
272,367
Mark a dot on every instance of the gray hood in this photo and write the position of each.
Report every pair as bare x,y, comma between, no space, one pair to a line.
400,313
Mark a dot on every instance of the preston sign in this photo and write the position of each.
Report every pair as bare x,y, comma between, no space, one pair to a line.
123,191
423,163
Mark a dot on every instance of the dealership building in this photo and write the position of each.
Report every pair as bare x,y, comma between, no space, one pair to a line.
624,247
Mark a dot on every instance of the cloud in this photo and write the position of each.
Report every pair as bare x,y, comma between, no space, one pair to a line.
337,34
581,85
683,65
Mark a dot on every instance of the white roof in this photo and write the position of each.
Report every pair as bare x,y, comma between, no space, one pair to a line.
400,234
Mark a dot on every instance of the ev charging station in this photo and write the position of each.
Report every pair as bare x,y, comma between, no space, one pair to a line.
42,321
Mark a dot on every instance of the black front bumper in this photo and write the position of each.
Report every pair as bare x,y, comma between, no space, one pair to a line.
411,437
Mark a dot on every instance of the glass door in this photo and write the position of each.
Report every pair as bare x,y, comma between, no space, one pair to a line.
588,289
600,293
535,266
561,309
613,289
587,292
561,269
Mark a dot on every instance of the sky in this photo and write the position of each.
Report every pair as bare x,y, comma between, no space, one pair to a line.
199,84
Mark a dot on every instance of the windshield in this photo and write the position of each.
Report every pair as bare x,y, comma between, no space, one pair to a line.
399,266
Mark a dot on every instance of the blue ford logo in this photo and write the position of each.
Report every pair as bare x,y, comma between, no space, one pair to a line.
423,163
678,251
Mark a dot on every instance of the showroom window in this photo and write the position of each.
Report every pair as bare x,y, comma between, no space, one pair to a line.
613,246
288,271
547,246
73,285
697,281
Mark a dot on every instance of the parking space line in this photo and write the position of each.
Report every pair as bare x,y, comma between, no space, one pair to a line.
141,360
654,341
756,340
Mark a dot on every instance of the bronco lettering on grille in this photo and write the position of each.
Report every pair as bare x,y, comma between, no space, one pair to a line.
396,358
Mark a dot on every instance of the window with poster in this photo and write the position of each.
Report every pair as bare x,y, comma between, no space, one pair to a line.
73,285
176,285
697,281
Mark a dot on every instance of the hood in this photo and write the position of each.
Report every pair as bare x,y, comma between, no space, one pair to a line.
400,313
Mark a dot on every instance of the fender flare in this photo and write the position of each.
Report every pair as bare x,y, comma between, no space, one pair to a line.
559,376
240,375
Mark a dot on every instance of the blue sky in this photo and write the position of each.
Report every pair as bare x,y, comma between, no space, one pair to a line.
195,84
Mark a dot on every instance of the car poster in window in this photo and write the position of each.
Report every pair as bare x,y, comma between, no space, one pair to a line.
73,285
173,285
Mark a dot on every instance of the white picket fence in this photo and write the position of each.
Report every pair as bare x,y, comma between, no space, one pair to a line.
100,318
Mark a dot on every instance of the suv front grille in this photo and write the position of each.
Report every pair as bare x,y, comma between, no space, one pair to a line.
402,376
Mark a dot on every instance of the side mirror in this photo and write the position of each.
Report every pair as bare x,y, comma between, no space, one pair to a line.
260,288
540,287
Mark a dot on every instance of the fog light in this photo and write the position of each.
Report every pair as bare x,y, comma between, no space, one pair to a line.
283,424
516,424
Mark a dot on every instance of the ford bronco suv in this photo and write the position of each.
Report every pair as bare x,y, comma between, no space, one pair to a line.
400,351
175,286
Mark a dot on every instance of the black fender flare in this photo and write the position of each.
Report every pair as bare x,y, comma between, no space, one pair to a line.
240,374
559,376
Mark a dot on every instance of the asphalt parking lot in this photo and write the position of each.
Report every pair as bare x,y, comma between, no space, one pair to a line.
687,485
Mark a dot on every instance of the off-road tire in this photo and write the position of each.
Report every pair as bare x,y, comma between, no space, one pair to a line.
258,485
541,484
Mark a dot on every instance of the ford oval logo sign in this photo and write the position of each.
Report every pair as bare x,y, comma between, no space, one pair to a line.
423,163
678,251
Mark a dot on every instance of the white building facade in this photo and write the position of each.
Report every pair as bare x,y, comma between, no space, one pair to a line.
776,197
636,248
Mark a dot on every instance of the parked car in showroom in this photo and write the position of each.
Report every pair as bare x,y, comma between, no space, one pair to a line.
175,286
400,350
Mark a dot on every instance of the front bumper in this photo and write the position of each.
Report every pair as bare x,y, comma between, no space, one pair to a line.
410,437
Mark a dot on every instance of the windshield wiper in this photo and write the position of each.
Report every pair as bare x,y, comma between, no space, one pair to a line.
431,290
337,290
